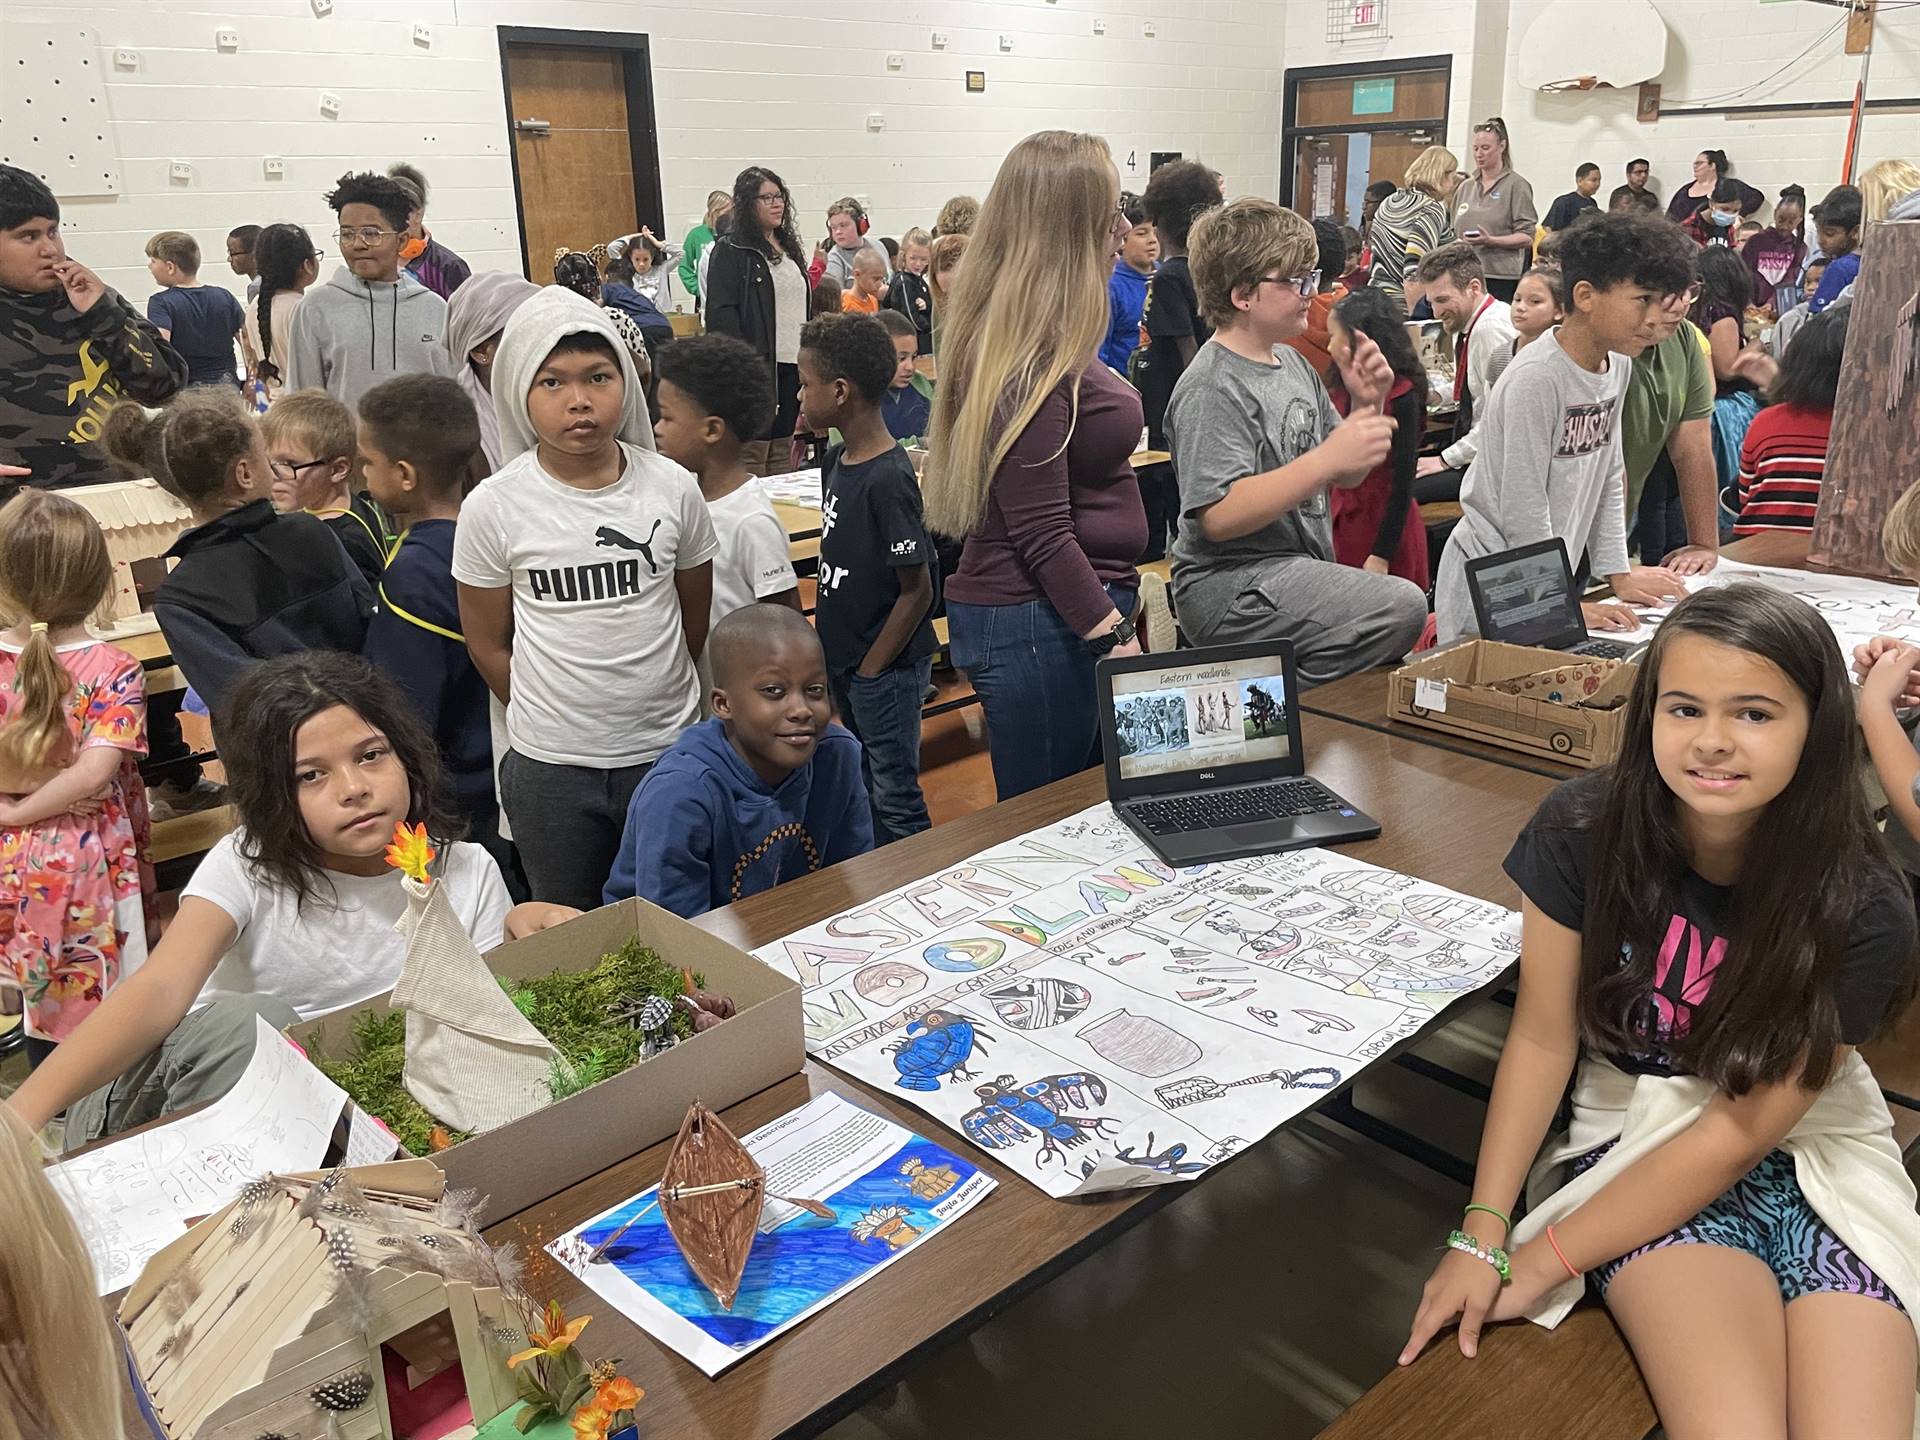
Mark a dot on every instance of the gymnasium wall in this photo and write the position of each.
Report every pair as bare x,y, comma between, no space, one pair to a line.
1733,52
788,83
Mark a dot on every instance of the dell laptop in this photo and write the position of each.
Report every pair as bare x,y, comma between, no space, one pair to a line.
1204,759
1527,597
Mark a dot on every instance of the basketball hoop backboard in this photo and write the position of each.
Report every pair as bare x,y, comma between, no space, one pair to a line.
1577,45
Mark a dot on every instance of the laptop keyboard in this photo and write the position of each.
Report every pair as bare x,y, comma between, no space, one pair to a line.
1604,649
1240,806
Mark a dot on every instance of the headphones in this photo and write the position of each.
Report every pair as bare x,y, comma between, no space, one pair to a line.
847,205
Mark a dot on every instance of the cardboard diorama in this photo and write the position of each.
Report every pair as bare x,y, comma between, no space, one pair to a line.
514,1117
141,521
1541,702
357,1304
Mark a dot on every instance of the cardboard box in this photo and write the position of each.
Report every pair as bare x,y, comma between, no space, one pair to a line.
1540,702
540,1155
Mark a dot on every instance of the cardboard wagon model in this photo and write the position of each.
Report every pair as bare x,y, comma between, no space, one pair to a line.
315,1307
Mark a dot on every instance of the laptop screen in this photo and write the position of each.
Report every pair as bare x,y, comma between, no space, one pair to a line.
1200,716
1525,597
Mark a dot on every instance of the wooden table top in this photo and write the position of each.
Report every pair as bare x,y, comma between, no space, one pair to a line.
1018,1238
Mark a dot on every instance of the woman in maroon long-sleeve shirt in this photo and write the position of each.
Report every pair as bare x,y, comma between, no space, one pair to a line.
1029,460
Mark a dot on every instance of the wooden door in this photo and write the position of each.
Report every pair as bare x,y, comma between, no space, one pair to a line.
576,173
1393,152
1320,178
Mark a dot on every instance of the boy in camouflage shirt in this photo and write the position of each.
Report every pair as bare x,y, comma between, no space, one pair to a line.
70,348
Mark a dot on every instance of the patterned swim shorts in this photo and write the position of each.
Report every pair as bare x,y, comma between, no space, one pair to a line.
1766,1215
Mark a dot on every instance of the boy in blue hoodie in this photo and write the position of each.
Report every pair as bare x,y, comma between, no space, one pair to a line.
419,445
766,791
1127,287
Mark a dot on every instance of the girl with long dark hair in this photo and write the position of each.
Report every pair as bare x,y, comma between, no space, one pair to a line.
1376,524
291,916
757,291
288,262
1711,927
1726,288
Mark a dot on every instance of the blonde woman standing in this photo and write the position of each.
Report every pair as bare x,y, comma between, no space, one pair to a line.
1412,223
1495,211
1030,459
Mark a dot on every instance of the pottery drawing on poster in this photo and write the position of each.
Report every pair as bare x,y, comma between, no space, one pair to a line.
1098,1019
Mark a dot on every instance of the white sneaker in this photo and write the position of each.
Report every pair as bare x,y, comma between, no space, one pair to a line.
169,801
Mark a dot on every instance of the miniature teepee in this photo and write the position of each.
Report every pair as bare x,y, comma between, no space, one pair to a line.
473,1060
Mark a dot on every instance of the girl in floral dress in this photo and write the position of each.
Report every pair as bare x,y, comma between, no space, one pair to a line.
73,813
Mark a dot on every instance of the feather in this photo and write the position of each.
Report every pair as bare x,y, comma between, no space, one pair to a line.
353,1292
460,1209
179,1294
509,1267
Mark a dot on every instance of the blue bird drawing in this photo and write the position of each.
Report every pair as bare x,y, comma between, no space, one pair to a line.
1010,1114
937,1046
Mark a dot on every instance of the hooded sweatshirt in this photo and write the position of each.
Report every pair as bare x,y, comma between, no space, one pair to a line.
524,346
61,371
704,830
477,312
350,334
250,585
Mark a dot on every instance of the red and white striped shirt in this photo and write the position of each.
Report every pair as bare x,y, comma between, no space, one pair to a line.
1781,466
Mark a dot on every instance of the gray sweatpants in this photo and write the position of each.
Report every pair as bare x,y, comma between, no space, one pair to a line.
1341,620
567,823
200,1061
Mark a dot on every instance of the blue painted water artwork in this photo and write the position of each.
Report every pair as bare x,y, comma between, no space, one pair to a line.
802,1262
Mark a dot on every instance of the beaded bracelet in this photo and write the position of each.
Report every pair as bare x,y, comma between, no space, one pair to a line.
1492,1254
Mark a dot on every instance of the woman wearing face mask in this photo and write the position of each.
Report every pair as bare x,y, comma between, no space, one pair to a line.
1709,169
1494,211
1718,217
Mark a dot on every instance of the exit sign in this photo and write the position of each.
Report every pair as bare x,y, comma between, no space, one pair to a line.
1365,15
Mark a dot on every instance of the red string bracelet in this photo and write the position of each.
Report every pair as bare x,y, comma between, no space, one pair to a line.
1561,1254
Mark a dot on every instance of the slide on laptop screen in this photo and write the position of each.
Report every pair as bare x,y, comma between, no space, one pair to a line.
1194,717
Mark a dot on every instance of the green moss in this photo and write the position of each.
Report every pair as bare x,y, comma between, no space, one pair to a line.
575,1010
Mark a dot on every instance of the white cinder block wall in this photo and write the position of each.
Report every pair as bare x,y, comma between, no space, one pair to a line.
788,83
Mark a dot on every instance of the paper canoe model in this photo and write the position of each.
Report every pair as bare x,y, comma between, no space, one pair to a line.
473,1060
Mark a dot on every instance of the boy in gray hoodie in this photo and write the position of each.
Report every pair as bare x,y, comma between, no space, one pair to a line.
372,320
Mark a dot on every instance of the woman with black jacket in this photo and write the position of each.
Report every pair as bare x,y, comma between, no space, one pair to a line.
756,291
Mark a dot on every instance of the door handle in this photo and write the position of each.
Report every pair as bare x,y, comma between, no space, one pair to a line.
534,127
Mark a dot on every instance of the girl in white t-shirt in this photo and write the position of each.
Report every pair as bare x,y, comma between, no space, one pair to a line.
290,917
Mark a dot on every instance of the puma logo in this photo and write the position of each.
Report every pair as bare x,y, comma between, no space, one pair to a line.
607,535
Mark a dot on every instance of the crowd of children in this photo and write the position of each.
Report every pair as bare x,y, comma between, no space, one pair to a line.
486,556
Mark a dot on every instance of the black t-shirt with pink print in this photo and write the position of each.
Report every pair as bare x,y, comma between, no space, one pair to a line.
1552,863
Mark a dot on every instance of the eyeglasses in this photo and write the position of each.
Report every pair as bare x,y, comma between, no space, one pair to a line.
1693,292
364,235
1306,285
290,469
774,198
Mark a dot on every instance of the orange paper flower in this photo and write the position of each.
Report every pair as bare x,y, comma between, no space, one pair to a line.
590,1422
618,1393
410,851
558,1336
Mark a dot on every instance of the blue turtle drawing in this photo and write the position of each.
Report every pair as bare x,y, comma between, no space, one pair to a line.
1010,1114
937,1046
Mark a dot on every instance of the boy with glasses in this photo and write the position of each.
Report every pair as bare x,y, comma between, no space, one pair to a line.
372,320
1672,487
1551,461
315,464
1256,442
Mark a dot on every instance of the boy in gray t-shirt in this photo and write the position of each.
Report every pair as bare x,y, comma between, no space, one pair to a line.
1256,443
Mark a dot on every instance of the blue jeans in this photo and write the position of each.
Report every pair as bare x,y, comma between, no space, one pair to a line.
884,713
1034,676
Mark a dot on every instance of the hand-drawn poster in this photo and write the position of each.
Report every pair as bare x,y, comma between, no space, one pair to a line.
889,1190
1857,609
1098,1020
